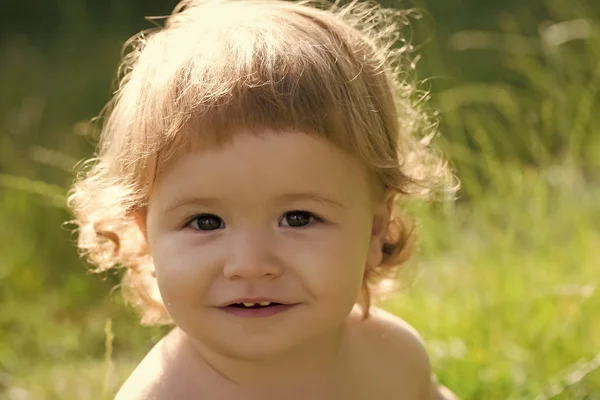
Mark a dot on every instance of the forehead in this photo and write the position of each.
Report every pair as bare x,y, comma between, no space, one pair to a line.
264,165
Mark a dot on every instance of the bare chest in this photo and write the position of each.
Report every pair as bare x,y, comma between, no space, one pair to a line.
371,380
362,391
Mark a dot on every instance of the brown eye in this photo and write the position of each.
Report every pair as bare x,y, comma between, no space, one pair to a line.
207,222
298,219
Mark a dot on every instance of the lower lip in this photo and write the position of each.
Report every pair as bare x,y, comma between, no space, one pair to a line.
257,312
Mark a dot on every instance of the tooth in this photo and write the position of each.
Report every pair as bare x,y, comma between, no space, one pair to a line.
265,303
249,304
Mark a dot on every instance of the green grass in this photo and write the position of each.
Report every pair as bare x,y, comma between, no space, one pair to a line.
507,286
506,295
510,312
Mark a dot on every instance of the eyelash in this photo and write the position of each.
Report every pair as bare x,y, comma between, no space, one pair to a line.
195,218
313,218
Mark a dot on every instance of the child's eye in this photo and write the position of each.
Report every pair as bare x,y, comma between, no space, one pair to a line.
206,222
298,219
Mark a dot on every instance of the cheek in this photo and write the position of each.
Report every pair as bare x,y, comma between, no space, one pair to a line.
333,264
183,269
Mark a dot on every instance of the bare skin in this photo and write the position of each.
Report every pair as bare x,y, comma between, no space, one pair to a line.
382,358
223,230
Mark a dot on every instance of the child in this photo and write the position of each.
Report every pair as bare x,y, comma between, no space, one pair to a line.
246,179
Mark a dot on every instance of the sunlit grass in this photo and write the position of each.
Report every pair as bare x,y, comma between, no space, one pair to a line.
506,296
82,380
507,288
510,311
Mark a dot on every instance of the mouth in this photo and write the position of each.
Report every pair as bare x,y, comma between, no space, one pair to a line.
259,309
249,305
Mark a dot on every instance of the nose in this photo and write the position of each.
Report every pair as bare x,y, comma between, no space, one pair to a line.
251,257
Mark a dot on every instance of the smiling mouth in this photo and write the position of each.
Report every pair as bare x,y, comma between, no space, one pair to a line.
255,305
257,310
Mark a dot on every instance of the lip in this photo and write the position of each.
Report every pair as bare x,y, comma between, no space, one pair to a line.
262,312
255,300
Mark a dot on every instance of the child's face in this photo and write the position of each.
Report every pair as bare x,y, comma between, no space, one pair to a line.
286,218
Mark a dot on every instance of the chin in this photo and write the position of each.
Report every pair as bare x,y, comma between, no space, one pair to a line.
257,348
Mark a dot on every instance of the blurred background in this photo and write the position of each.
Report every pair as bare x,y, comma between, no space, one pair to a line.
506,290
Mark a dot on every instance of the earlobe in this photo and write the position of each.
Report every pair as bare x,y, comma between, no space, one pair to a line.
139,217
390,203
379,230
383,214
375,255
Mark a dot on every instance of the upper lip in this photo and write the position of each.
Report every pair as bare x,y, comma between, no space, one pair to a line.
253,300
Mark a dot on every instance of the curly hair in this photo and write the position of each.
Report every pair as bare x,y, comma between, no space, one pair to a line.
220,66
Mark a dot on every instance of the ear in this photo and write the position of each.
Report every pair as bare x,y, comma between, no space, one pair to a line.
139,216
379,227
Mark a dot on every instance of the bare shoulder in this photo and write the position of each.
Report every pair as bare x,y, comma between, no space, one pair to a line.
143,381
401,355
395,341
161,374
146,380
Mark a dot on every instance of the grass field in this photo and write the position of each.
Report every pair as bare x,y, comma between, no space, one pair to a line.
505,288
508,303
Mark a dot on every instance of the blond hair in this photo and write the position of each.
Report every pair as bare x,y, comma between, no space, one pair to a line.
220,66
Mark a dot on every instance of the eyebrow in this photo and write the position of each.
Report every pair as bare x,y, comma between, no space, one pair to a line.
311,196
213,201
194,201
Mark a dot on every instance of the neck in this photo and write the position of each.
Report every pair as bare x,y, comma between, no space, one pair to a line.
315,361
